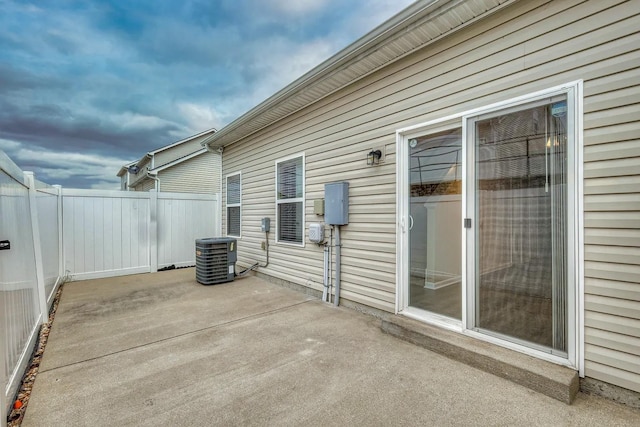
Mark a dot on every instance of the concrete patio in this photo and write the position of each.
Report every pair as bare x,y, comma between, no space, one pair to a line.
160,349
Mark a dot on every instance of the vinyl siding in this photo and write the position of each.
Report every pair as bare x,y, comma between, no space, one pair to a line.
137,179
170,154
200,174
146,185
527,47
612,219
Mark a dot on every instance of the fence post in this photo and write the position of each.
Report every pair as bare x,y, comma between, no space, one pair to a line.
153,230
60,235
37,248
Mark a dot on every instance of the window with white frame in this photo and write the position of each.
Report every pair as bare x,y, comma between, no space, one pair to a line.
234,204
290,200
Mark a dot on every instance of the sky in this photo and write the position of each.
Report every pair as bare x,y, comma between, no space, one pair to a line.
87,86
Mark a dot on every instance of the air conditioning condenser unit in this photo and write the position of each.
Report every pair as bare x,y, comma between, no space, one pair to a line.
216,260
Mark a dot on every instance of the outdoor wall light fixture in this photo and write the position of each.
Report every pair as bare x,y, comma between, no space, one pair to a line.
373,158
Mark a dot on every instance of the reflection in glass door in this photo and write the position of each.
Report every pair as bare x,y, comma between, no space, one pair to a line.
520,200
435,222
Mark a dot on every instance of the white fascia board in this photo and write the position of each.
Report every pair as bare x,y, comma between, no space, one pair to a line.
143,160
138,181
124,169
182,141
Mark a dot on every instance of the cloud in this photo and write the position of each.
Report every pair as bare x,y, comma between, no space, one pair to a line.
138,122
15,80
61,167
111,80
8,145
195,114
299,7
286,63
378,11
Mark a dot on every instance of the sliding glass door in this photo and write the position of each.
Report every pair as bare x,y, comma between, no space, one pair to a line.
435,215
489,224
519,205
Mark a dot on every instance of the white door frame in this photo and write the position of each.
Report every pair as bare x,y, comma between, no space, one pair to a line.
575,212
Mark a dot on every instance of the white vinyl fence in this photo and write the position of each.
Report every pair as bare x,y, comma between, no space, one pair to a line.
49,234
29,268
181,219
49,213
112,233
105,233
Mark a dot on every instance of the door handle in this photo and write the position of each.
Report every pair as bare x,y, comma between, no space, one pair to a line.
410,222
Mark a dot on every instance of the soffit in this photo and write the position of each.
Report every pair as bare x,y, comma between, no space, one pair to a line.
420,24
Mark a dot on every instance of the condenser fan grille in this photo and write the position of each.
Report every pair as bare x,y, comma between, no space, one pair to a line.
215,260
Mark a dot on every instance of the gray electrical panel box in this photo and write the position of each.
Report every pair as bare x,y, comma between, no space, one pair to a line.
336,203
265,225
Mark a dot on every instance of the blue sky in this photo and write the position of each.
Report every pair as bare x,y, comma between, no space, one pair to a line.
88,86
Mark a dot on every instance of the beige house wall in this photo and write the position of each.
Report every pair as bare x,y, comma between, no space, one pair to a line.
200,174
524,48
170,154
135,179
145,185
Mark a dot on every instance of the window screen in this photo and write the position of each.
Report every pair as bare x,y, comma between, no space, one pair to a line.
290,200
233,205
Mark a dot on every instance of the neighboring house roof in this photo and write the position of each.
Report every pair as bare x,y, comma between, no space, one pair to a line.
125,168
146,164
420,24
148,156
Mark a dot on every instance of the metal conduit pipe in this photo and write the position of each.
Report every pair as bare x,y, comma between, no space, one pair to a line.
325,277
266,233
336,298
330,264
257,264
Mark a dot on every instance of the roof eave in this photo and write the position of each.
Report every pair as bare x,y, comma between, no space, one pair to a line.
328,65
182,141
418,14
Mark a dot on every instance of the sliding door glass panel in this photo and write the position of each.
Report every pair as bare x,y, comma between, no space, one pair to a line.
521,224
436,222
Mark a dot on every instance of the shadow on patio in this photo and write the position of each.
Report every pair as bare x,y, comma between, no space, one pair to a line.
160,349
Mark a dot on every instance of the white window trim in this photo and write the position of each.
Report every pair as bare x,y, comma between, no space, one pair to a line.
297,199
232,205
574,92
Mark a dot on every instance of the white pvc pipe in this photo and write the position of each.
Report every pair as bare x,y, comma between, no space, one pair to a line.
330,264
336,298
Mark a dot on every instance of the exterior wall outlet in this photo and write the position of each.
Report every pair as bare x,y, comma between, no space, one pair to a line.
263,245
318,207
